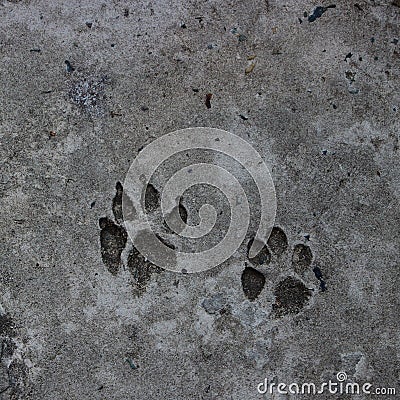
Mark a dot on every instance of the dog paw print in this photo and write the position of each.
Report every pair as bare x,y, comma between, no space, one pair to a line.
113,240
291,294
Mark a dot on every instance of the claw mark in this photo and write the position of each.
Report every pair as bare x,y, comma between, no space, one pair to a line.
117,203
318,275
253,283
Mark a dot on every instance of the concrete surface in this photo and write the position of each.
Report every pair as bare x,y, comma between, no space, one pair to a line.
83,315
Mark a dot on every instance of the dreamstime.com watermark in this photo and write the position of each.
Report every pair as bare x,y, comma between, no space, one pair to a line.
331,387
152,158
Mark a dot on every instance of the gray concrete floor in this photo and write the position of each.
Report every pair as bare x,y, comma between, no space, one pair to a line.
83,315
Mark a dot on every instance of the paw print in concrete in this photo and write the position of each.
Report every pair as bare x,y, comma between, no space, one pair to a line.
291,294
113,240
253,282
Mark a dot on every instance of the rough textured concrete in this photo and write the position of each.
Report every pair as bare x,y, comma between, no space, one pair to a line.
83,315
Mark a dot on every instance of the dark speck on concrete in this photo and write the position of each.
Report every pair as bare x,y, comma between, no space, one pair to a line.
318,12
350,75
117,203
208,100
132,363
69,66
317,272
